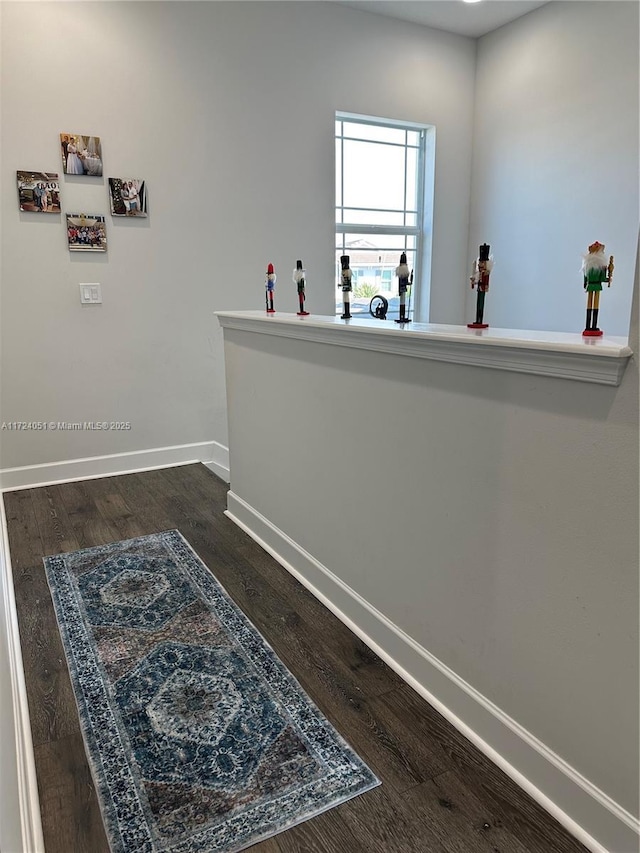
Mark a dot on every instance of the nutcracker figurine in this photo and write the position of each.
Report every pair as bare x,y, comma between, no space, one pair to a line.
405,280
480,278
300,279
595,271
345,284
270,285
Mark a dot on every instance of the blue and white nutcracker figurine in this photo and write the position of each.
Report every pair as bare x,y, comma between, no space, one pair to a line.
270,287
405,280
300,279
345,284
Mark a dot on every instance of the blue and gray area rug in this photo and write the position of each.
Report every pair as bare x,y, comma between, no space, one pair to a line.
199,738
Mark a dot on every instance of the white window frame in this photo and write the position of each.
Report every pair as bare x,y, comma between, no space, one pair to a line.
422,231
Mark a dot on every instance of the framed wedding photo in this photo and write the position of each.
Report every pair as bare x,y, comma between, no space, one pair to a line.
127,197
86,232
39,192
81,155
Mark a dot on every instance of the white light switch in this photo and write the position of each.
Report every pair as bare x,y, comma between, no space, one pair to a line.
90,293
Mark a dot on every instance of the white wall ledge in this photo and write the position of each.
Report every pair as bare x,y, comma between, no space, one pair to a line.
561,354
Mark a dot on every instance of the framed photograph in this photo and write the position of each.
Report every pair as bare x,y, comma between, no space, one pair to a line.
81,155
128,197
39,192
86,232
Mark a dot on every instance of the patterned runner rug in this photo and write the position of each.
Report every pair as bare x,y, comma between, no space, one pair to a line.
198,737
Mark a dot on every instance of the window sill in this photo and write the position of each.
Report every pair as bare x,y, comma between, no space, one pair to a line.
560,354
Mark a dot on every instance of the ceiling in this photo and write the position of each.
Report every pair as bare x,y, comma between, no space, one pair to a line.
455,16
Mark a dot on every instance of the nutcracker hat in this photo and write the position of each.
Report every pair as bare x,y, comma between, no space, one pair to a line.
596,247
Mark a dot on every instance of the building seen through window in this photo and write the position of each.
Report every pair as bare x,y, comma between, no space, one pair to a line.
381,189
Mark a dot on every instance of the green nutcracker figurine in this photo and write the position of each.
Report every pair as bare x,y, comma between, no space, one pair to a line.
480,279
595,271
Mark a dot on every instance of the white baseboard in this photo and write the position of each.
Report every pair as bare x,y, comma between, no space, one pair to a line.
601,824
20,825
215,456
219,461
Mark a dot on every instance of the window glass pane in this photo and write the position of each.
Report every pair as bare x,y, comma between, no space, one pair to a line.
375,132
373,175
372,217
338,174
411,199
394,243
373,272
413,137
338,128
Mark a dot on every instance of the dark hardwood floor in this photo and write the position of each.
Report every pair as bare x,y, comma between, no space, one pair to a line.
439,794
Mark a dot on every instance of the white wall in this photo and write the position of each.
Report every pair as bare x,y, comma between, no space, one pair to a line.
227,111
492,517
555,163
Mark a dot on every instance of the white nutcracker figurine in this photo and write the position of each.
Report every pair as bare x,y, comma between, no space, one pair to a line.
300,279
405,280
345,284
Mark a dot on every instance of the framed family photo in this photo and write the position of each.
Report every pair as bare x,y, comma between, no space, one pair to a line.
81,155
128,197
39,192
86,232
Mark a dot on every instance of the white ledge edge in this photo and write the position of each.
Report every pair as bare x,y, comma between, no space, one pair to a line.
560,354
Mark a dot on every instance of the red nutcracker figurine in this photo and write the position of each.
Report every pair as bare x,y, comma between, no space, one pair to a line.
345,284
270,285
480,279
405,280
595,271
299,278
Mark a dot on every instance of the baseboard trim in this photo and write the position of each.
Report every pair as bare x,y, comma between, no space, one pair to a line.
589,814
218,462
21,827
212,454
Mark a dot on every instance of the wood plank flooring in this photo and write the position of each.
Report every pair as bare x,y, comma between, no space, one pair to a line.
439,794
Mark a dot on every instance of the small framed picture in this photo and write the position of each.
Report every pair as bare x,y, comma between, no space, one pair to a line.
39,192
86,232
81,155
128,197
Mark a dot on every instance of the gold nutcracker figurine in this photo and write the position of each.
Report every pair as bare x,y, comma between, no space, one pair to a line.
595,271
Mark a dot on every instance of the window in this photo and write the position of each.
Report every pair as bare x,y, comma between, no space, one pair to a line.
384,174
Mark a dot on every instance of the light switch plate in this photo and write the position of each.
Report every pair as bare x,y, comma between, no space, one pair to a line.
90,293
